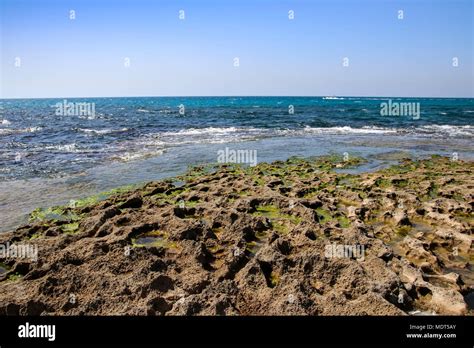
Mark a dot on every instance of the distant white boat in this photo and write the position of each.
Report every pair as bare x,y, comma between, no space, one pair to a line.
333,98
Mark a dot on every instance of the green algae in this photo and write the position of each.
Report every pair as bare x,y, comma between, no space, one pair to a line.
323,215
273,212
70,228
14,277
348,203
274,279
252,247
258,181
53,214
188,203
344,222
382,183
269,211
433,191
311,192
403,230
280,228
154,239
35,236
101,196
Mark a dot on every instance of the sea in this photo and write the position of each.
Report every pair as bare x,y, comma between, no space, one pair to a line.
56,150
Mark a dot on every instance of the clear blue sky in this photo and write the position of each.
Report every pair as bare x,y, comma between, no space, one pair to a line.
387,56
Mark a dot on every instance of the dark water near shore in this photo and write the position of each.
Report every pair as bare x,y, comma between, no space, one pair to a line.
48,159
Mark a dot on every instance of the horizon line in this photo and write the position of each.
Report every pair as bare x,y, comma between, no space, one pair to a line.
238,96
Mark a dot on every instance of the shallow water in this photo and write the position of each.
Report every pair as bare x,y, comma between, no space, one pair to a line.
48,160
150,241
3,270
469,298
19,197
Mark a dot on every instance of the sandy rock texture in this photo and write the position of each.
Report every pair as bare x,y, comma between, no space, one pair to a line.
300,237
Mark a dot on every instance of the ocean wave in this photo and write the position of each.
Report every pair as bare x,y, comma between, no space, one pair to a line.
216,135
156,142
71,148
338,130
446,129
61,148
213,135
198,131
102,131
89,117
8,131
5,122
334,98
441,130
213,131
127,156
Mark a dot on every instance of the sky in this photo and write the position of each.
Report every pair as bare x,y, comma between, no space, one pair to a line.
45,53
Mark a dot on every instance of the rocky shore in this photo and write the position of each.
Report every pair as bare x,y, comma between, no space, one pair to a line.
300,237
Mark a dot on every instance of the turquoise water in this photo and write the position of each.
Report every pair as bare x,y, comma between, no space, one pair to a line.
35,142
47,158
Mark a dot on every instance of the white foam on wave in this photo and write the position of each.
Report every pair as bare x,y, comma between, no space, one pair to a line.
212,135
32,129
61,147
217,135
102,131
212,131
5,122
441,130
5,131
67,147
89,117
154,144
127,156
199,131
449,130
338,130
